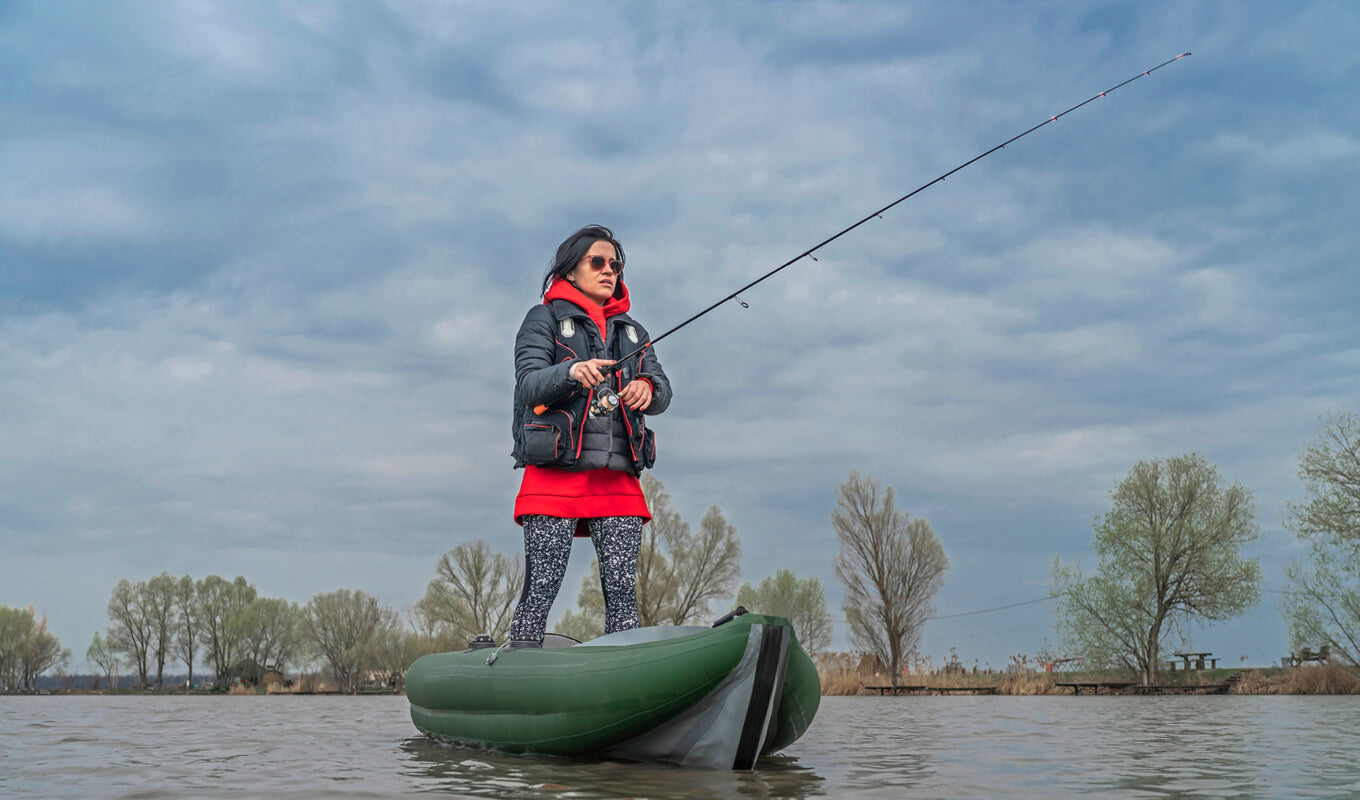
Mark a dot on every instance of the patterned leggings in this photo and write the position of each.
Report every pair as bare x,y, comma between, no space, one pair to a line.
547,546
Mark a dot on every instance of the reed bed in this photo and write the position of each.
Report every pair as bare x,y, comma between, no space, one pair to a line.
1029,683
842,679
847,682
1324,679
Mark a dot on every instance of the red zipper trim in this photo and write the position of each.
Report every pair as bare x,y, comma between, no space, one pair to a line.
581,434
624,411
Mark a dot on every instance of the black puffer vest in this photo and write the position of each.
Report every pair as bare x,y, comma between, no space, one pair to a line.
552,426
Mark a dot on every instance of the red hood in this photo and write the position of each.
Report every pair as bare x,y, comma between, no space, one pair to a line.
562,290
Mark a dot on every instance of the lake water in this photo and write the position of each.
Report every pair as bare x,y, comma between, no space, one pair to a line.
956,747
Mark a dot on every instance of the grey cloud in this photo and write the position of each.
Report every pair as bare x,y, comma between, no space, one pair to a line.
293,346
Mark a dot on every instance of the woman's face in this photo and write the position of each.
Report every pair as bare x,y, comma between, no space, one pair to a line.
597,284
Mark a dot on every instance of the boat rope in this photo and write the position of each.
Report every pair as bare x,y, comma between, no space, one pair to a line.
879,213
495,654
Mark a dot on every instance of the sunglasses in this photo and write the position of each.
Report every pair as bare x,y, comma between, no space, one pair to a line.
615,266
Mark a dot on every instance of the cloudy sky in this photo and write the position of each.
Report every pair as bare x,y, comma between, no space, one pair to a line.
261,266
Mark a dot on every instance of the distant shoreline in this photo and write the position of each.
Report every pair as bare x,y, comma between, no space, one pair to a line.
1327,679
180,692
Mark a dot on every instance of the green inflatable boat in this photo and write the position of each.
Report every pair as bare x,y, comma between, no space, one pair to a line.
716,697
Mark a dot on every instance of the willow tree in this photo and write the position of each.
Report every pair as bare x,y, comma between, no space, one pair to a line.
106,658
346,629
270,634
217,603
159,601
801,601
681,571
132,631
892,567
1170,554
704,568
27,649
473,591
14,627
187,623
1322,605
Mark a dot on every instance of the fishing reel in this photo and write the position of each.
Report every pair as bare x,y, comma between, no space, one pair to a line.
606,400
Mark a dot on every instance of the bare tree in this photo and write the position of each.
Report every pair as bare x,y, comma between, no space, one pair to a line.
680,572
1322,605
801,601
474,591
132,629
704,568
344,627
106,658
657,583
1170,551
892,567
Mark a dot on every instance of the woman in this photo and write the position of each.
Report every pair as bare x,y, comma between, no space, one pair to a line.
581,453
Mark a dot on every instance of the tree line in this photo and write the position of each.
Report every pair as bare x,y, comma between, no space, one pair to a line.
1169,558
225,627
891,564
682,572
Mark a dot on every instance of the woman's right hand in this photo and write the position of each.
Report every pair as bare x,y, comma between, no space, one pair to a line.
587,373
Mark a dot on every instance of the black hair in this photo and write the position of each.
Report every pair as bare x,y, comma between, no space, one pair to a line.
574,248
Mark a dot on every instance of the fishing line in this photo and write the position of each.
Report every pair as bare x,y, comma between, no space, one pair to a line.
879,214
990,610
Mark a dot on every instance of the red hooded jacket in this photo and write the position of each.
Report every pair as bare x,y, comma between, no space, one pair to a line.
596,492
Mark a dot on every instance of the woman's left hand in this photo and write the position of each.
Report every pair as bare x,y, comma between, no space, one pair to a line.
637,395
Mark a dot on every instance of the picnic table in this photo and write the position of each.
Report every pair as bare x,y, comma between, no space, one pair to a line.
1322,655
1193,661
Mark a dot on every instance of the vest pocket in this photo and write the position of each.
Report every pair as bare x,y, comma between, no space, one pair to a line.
546,443
648,448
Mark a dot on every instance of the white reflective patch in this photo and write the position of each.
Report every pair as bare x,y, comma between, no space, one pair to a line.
632,333
569,329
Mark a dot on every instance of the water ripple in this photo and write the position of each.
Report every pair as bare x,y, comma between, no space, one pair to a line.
158,747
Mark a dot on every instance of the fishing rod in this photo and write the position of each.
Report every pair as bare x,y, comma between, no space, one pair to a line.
606,399
607,369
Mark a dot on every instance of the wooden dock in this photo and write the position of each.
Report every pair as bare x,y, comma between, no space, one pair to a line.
921,689
1094,687
1121,687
